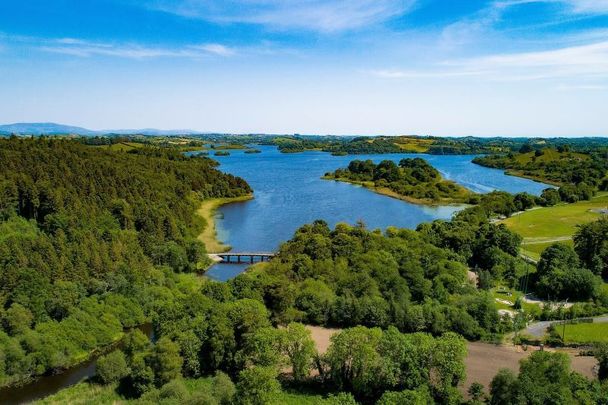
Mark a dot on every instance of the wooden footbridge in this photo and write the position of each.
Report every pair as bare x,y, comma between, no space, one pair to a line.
238,258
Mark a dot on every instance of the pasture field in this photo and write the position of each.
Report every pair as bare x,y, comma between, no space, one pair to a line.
549,155
540,227
585,332
414,145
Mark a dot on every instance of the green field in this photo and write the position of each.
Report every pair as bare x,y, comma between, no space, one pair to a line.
585,332
124,146
540,227
549,155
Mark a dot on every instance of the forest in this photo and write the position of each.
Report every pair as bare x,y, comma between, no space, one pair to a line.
578,174
95,242
413,179
86,237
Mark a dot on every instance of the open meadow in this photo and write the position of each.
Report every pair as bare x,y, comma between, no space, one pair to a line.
540,227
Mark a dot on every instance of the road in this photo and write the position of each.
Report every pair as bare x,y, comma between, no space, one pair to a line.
538,329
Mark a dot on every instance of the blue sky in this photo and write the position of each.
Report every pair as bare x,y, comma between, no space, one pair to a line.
439,67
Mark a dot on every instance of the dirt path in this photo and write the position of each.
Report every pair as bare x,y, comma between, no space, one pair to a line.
540,240
483,360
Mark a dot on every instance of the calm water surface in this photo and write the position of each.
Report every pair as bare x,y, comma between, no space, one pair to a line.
289,192
44,386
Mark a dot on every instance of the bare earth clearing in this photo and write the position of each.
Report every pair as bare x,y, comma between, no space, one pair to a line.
484,359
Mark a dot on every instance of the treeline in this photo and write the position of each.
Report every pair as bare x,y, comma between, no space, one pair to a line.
562,272
351,276
579,175
242,333
545,378
413,178
386,144
85,234
215,329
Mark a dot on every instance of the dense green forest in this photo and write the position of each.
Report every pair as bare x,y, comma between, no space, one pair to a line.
96,241
578,174
399,297
352,276
418,144
86,239
413,179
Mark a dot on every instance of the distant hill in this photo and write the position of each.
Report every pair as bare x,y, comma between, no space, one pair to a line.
50,128
43,128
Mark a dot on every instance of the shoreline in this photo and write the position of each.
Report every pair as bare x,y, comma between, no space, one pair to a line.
207,211
520,174
387,192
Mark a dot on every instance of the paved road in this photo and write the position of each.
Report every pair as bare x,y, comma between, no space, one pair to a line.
538,329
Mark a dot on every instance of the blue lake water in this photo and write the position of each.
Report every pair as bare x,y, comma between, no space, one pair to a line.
289,192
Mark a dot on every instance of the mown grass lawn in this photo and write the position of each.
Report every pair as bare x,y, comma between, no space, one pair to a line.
541,227
503,294
585,332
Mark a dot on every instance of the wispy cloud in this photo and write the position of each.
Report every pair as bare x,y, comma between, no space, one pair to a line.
590,87
314,15
216,49
76,47
587,6
573,6
576,62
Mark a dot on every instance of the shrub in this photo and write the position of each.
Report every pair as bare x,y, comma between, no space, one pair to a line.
112,367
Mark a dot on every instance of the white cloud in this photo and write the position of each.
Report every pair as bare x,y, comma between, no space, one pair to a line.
426,74
82,48
314,15
587,6
577,62
574,6
216,49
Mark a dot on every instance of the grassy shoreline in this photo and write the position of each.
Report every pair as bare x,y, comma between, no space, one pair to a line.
390,193
207,211
538,179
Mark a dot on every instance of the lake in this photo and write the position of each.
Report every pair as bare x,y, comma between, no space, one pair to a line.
289,193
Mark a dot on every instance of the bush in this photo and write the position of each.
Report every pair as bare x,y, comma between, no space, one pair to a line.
223,388
258,386
343,398
112,367
174,390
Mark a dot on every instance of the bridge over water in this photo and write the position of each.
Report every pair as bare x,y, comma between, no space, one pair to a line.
238,258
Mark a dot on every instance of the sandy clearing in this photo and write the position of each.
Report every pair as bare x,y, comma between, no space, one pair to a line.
483,360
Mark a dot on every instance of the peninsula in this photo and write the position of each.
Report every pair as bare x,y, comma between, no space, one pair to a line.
412,180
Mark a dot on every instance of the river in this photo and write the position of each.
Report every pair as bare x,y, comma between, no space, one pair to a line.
289,192
42,387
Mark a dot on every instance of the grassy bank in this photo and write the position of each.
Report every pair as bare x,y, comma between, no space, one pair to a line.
543,226
196,390
207,211
390,193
